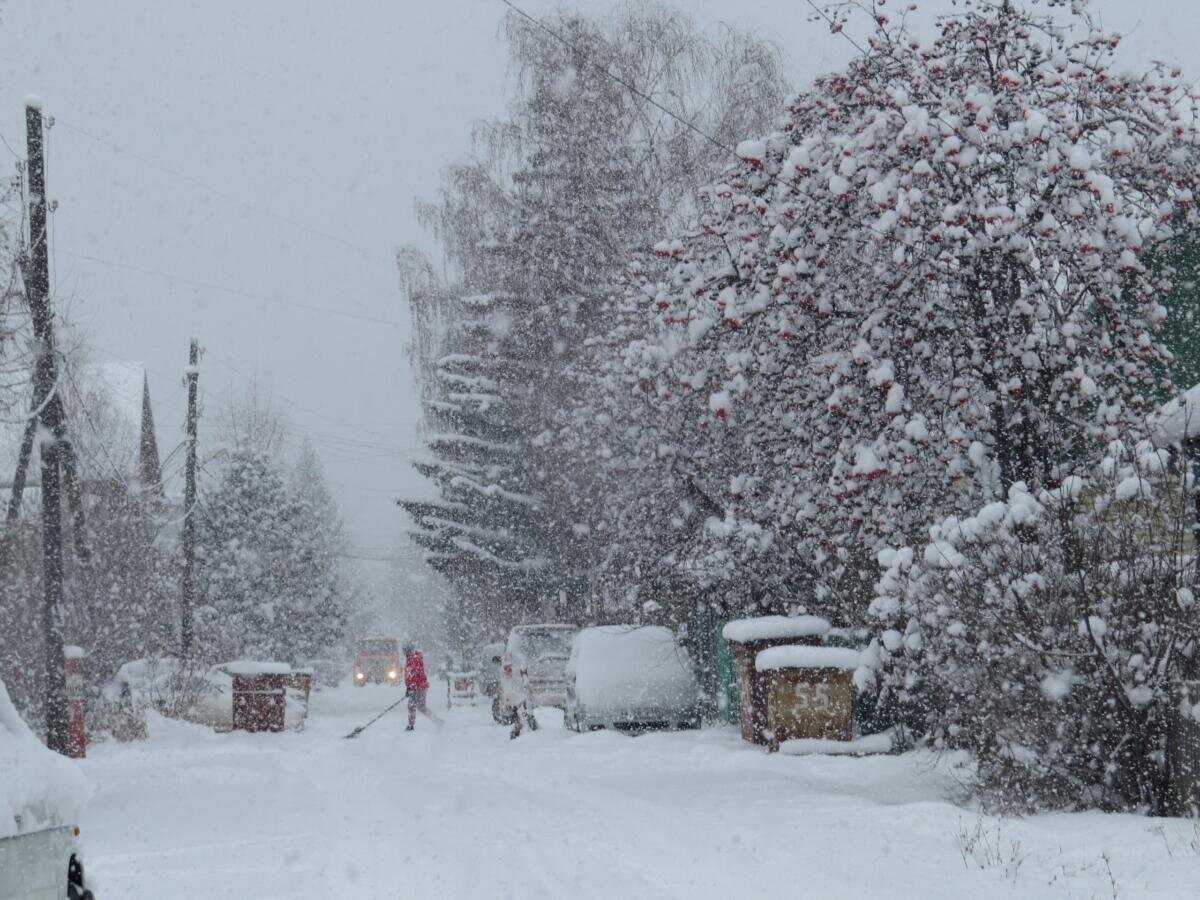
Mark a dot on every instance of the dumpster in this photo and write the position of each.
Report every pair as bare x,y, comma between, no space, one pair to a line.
259,695
749,637
809,692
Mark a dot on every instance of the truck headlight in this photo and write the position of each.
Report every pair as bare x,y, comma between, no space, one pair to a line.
359,676
392,674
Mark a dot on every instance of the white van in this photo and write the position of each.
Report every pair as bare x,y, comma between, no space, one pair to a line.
41,794
532,670
632,677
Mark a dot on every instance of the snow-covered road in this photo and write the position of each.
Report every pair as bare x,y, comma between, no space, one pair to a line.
466,813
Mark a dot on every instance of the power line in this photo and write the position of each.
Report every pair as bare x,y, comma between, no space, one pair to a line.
632,88
16,155
833,26
236,292
216,192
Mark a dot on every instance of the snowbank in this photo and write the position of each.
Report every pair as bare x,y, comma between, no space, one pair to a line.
38,788
807,658
630,667
771,627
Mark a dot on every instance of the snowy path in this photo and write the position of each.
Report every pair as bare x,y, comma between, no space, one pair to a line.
465,812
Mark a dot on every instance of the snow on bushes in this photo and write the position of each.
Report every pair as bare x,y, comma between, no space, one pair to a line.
1046,633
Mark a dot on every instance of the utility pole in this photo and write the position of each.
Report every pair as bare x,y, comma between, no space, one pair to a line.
52,419
189,509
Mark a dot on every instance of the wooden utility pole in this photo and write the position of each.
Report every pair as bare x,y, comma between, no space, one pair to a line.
48,404
189,509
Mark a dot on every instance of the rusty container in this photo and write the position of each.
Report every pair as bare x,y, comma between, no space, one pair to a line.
811,699
77,741
749,637
259,702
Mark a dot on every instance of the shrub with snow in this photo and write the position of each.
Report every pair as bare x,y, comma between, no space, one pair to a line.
1048,631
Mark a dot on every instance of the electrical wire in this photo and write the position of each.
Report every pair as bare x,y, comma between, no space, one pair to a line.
632,88
236,292
216,192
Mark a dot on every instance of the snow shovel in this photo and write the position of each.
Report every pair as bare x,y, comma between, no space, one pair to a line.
361,728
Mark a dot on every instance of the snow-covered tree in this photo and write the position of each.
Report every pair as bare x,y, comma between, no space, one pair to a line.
579,178
271,586
318,589
927,286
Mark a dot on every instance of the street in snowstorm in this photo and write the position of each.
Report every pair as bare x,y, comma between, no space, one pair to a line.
651,449
464,811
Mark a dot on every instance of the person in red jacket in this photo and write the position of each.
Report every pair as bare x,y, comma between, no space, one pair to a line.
417,684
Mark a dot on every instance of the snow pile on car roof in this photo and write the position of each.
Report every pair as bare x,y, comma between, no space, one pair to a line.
38,788
765,628
630,667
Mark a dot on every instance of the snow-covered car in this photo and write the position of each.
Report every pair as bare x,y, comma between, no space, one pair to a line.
633,677
41,795
490,659
533,670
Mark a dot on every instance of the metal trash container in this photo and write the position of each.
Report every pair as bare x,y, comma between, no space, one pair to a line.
809,693
300,680
751,636
461,688
259,701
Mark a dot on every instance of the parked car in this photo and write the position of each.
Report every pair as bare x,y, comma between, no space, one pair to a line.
41,795
532,670
634,677
377,659
490,659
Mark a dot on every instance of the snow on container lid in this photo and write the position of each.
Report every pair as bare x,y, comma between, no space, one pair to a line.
255,667
807,658
70,652
767,627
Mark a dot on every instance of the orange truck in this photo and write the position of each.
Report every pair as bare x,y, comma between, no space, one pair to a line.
377,659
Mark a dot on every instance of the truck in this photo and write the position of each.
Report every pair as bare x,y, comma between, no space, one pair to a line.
377,660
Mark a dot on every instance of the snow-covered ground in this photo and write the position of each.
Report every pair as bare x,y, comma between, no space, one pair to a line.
465,812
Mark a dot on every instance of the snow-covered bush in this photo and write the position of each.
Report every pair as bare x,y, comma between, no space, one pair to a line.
1048,631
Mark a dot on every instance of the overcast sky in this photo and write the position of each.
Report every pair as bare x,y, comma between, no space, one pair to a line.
221,165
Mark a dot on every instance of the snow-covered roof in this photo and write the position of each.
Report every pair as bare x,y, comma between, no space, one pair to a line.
806,658
38,788
770,627
1177,420
251,667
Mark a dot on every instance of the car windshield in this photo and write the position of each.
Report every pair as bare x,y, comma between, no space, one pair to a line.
377,645
546,644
